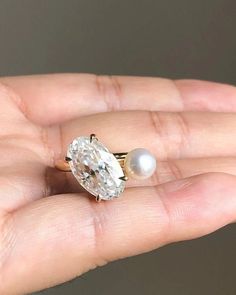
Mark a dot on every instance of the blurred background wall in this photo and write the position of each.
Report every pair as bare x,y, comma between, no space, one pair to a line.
167,38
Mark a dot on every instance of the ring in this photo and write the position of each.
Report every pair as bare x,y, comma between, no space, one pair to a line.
102,173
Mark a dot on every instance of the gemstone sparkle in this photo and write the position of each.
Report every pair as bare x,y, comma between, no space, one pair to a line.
95,168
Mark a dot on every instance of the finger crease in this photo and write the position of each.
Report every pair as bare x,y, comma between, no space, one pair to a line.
159,130
99,221
15,98
50,157
110,90
47,187
179,93
184,132
161,195
118,90
174,169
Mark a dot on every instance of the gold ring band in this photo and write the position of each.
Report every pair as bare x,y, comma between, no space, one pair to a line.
102,173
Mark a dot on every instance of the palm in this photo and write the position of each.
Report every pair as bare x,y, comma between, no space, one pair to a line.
66,234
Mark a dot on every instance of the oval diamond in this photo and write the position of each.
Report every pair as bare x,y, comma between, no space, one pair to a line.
95,168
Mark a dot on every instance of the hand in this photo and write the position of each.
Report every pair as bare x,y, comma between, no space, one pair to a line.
51,231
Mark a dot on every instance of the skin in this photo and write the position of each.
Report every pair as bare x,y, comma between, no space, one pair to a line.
50,227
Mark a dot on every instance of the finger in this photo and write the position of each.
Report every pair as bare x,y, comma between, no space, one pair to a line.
31,180
51,99
166,171
61,237
172,170
166,135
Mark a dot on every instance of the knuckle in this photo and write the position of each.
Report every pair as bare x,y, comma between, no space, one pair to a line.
110,89
183,130
173,132
157,121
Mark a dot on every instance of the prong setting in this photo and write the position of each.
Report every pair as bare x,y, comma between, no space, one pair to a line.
68,159
98,198
124,178
92,137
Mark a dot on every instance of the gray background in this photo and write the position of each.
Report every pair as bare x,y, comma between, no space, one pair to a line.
178,39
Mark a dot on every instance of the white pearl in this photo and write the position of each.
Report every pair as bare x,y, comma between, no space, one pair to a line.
140,164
